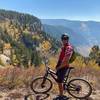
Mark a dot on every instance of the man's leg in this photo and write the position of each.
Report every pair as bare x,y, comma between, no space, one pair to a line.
60,85
61,74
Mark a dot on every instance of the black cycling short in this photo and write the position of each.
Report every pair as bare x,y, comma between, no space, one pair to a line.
61,74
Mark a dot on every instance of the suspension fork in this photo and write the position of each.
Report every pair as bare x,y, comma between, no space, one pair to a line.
44,79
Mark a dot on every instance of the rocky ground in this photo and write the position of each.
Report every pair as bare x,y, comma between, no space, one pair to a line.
27,94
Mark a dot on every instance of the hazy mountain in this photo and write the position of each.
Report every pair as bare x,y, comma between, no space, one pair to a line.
84,34
86,28
56,31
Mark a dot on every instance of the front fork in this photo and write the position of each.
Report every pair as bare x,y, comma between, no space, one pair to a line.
44,80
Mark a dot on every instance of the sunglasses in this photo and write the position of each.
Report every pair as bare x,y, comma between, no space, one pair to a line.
64,39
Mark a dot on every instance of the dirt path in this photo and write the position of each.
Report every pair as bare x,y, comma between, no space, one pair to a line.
27,94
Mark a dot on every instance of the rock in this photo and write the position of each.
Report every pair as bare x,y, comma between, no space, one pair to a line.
1,66
5,60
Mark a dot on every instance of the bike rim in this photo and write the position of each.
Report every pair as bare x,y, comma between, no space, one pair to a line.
82,90
39,88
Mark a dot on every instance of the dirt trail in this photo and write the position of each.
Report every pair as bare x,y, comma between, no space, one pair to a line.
27,94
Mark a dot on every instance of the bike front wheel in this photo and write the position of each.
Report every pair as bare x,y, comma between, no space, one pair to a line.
38,86
79,88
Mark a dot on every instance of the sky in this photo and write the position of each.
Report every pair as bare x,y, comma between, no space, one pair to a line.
56,9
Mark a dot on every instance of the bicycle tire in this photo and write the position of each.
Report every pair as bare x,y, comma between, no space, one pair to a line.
48,86
85,83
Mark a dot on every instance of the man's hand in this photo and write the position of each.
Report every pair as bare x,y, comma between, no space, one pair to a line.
57,68
63,64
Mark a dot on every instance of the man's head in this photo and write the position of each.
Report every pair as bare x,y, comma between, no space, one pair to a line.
65,38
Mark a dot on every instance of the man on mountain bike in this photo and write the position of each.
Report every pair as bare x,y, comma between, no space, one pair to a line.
63,62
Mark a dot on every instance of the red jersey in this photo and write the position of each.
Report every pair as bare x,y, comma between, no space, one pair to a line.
66,51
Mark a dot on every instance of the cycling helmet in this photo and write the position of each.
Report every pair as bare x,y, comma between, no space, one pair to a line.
65,36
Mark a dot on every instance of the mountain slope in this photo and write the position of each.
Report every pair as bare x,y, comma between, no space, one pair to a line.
22,39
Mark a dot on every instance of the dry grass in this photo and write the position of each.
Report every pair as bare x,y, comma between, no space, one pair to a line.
14,77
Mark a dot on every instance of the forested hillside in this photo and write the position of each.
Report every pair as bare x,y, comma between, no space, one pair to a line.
22,39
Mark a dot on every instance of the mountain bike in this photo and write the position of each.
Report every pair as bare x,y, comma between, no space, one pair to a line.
77,88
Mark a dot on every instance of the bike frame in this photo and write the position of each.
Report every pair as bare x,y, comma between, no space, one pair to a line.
54,76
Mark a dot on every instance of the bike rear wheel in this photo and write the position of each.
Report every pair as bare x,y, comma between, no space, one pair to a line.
38,86
79,88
